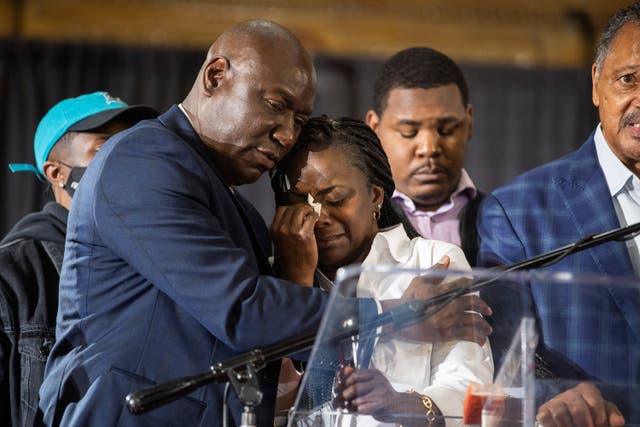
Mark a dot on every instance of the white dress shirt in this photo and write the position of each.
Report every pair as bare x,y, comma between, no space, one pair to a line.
624,187
440,370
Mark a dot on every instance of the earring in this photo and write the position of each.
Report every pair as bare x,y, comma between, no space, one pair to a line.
376,213
61,184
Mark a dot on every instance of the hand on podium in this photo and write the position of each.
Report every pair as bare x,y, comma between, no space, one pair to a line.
460,319
582,405
369,393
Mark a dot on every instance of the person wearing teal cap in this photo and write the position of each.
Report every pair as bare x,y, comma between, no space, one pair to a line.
72,131
67,138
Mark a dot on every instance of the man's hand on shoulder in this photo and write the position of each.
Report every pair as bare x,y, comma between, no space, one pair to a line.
460,319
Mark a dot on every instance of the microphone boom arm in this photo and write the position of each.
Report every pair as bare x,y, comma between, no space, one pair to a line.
240,370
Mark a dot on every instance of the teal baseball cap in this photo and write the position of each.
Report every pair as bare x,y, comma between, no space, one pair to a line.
80,114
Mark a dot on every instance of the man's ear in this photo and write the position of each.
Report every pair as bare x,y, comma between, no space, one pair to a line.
470,118
595,97
54,174
214,72
372,120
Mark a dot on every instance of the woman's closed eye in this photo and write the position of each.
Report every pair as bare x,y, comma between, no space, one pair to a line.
335,201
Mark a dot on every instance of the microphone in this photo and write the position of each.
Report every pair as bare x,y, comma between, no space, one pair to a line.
402,316
153,397
233,370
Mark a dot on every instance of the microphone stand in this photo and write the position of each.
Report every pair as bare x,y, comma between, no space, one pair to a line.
241,370
548,258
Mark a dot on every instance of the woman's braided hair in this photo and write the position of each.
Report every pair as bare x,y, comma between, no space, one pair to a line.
362,149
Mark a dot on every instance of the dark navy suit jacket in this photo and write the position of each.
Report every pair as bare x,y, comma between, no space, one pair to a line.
165,274
596,330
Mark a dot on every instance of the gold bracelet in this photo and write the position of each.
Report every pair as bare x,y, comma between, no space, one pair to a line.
428,404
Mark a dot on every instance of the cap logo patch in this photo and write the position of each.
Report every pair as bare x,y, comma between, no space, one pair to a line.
110,98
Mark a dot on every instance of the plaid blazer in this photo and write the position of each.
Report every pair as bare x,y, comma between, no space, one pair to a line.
597,330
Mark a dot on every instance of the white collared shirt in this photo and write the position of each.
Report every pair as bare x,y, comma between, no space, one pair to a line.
440,370
624,187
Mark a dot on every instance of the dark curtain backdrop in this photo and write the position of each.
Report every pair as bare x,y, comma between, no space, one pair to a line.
522,117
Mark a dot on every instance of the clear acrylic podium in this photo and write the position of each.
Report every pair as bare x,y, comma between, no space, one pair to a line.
499,384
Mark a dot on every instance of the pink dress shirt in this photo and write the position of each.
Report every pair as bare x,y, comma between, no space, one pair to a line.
443,223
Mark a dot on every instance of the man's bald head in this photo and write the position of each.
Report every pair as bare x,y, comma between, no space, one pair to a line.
252,95
248,44
251,36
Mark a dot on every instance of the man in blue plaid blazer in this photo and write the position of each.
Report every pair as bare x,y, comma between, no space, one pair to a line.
590,335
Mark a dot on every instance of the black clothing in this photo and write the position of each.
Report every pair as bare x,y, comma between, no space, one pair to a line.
49,224
30,261
469,230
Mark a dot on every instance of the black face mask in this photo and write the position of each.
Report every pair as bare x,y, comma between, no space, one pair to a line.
74,179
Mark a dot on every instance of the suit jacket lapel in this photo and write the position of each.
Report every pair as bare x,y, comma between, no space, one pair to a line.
588,200
175,120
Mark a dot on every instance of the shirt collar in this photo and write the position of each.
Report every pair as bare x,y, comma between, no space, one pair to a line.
616,173
185,114
466,189
392,241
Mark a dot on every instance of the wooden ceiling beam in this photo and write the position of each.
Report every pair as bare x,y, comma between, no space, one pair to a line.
9,20
528,32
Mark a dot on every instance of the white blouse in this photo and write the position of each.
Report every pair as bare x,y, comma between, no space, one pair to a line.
440,370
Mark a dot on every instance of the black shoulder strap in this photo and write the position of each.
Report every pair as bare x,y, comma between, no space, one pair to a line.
468,229
55,252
